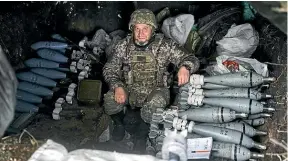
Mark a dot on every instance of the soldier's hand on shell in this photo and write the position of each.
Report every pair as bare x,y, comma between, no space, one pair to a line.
183,76
120,95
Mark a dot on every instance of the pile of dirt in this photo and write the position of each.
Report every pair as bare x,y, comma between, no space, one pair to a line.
18,147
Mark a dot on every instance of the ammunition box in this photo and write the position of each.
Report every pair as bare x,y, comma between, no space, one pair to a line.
89,91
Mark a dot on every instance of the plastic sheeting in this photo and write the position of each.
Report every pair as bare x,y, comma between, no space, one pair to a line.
240,41
8,88
178,28
52,151
236,64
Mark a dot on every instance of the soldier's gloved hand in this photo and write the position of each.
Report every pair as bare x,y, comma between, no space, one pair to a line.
120,95
183,76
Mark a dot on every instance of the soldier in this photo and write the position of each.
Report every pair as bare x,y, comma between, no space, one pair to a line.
135,74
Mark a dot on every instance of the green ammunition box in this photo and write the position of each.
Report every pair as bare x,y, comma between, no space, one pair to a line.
89,91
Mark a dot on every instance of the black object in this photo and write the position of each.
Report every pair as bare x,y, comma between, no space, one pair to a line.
214,27
118,130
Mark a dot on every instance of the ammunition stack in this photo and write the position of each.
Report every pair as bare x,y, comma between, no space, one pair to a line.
224,107
49,82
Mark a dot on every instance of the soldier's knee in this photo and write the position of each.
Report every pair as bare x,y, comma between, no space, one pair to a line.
110,105
109,95
159,97
158,101
112,108
149,108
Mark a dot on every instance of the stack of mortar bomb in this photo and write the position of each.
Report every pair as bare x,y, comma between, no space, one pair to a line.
224,107
235,92
56,55
49,84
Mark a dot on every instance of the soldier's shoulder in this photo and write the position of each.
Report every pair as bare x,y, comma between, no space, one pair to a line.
122,44
166,42
170,44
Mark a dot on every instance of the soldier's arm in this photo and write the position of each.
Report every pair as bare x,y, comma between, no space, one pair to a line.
112,69
181,57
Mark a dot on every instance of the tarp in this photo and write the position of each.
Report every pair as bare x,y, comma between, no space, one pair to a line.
8,88
52,151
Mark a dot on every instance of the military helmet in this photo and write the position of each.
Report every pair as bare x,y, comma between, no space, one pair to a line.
143,16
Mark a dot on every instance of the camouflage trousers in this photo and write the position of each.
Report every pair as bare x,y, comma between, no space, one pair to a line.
158,98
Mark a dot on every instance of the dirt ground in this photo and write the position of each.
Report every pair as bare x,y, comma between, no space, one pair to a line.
72,133
84,130
273,49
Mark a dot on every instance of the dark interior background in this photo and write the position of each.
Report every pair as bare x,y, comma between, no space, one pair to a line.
23,23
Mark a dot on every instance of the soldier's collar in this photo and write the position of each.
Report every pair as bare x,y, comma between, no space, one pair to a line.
145,46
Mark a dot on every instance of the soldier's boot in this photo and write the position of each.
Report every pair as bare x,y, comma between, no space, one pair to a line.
118,130
141,137
140,145
132,120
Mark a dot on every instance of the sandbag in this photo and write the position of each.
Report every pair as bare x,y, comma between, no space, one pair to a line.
240,41
115,36
178,28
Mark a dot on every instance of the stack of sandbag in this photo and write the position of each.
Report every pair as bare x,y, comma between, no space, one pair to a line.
199,38
103,42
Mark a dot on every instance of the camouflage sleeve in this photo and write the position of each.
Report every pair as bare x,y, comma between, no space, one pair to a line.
181,57
112,69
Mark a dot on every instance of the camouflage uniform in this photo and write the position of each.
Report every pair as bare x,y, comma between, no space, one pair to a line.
140,71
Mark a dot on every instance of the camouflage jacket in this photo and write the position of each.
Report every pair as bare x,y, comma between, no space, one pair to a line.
166,52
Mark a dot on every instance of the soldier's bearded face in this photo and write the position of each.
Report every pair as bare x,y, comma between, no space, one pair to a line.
142,34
